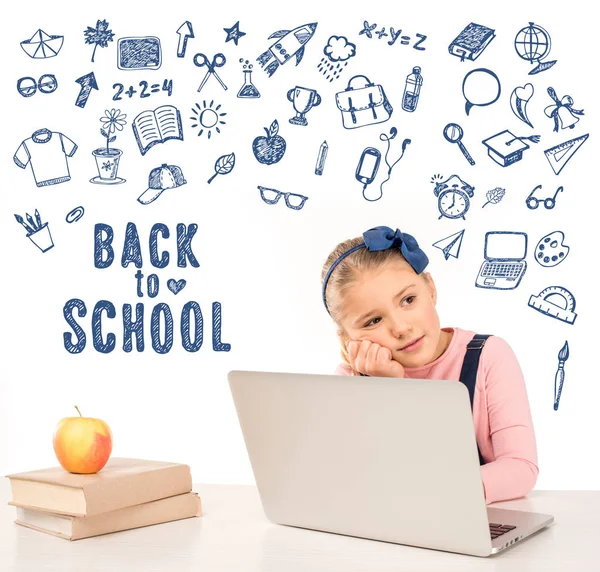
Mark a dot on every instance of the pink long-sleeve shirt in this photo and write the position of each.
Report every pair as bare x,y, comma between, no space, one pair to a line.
501,414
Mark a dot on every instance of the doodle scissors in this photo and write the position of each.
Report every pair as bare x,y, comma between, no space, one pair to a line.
200,60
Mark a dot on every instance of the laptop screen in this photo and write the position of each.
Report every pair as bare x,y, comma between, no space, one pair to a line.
505,245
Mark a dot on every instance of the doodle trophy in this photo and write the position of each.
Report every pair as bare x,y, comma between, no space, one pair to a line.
303,100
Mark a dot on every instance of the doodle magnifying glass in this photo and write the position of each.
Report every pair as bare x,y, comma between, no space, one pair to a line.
454,133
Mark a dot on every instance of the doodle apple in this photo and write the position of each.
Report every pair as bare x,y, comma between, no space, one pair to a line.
269,149
82,444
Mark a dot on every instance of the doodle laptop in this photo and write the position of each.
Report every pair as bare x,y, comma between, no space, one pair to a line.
504,263
377,458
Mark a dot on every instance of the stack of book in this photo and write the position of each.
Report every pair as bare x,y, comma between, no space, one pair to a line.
125,494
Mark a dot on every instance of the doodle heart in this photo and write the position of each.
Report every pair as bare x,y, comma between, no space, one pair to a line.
338,52
176,286
519,98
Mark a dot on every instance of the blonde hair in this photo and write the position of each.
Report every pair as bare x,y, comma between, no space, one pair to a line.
348,272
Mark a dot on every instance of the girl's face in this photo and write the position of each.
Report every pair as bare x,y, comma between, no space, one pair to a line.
395,308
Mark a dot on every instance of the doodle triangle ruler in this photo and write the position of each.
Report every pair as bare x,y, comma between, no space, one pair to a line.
559,155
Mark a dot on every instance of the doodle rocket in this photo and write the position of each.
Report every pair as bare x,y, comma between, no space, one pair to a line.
289,43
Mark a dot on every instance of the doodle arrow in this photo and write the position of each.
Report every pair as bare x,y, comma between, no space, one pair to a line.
87,82
185,31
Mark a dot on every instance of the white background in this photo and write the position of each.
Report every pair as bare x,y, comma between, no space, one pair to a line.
263,262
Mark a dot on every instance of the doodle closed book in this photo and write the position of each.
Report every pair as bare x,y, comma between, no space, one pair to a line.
157,126
471,42
178,507
122,482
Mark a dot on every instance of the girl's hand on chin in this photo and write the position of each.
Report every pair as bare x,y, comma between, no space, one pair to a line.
372,359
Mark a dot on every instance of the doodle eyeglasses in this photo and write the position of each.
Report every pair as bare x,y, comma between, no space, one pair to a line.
292,200
27,86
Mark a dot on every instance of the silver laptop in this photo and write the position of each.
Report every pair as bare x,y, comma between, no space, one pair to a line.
378,458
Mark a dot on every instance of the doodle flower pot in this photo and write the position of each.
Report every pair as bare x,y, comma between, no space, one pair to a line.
107,161
42,238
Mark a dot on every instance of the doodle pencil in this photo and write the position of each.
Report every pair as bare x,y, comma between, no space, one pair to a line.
24,224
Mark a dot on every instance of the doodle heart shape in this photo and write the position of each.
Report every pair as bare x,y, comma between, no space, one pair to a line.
524,92
176,286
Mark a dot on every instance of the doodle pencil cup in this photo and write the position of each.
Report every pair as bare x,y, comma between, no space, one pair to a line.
42,238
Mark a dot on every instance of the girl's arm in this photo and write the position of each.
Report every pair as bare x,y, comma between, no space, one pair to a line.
514,471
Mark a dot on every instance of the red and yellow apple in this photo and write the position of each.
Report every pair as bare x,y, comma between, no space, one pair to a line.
82,444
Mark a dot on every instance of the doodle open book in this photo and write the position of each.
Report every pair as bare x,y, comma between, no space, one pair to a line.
157,126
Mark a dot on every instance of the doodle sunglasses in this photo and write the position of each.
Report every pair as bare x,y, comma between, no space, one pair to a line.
292,200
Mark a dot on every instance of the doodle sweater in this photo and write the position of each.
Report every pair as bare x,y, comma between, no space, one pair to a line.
501,414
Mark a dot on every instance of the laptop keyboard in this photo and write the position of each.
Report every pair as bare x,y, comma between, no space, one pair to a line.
501,269
497,530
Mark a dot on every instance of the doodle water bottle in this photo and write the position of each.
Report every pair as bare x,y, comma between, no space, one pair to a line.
412,88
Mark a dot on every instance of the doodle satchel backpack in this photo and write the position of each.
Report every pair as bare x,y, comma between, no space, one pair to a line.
364,105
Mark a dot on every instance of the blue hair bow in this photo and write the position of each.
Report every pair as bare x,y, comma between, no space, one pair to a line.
383,238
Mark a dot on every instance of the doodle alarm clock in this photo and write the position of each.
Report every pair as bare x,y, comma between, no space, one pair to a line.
453,196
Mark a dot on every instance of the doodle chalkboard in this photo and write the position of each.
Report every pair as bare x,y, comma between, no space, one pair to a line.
139,53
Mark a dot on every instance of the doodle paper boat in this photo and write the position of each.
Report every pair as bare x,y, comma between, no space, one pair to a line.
41,45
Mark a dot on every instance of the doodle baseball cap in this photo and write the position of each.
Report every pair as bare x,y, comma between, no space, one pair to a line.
160,179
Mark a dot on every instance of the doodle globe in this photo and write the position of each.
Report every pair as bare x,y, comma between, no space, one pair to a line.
532,43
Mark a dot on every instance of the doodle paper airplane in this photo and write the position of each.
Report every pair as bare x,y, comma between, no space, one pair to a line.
450,245
288,43
559,155
41,45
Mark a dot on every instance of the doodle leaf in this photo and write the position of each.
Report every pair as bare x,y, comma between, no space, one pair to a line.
112,139
274,129
100,35
104,133
494,196
225,164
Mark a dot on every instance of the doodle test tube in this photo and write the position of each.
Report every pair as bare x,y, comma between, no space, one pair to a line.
412,89
321,158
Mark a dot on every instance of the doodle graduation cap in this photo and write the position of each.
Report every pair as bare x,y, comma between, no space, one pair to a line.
42,45
505,148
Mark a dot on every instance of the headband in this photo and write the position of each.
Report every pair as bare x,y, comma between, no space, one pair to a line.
383,238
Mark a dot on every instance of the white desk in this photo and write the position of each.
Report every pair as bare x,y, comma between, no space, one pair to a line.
235,536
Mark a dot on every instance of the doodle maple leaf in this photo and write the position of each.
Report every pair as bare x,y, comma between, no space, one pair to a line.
100,35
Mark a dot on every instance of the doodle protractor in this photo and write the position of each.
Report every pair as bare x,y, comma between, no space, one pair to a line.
543,303
519,99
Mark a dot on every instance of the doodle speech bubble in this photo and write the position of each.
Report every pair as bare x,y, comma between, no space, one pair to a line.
480,87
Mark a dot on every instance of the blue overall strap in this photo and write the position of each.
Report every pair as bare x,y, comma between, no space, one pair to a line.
468,373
